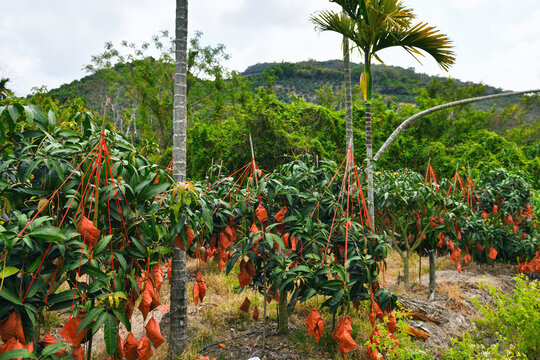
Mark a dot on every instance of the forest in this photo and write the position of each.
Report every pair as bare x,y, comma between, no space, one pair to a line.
295,241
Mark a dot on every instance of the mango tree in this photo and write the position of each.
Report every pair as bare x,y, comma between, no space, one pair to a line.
81,210
294,238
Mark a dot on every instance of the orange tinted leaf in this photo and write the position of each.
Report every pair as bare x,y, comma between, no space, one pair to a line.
144,350
261,213
154,333
245,305
280,215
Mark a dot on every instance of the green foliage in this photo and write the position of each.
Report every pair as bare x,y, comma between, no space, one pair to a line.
280,132
266,100
504,219
310,266
507,328
466,348
407,348
514,318
44,166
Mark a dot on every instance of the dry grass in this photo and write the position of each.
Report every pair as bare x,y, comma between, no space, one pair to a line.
218,319
453,291
394,269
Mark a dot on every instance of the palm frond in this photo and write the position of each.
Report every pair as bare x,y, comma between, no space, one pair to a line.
419,37
336,22
353,8
388,14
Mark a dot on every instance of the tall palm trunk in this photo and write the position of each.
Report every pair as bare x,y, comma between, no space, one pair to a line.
348,96
178,318
369,142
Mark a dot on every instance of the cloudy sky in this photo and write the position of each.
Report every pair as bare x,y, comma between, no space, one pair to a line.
497,42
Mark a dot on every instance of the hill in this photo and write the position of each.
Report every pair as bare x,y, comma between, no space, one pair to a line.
305,79
393,83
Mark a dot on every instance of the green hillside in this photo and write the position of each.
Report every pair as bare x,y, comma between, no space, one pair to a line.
392,83
305,80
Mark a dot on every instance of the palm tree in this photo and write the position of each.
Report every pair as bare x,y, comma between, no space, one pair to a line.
178,312
374,25
348,96
4,91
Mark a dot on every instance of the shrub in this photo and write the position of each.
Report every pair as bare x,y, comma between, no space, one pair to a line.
516,317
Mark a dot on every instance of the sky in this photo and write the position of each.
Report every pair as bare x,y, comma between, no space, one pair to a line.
47,43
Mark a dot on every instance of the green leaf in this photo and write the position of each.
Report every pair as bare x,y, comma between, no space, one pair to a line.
95,272
28,321
61,297
285,283
29,114
123,318
19,353
122,261
100,321
10,296
51,120
58,168
110,334
54,348
152,191
76,265
8,271
138,242
92,314
300,268
207,217
163,250
33,267
36,286
336,298
232,262
61,305
31,168
13,113
308,294
49,233
102,244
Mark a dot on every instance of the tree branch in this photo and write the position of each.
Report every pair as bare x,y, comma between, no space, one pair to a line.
407,122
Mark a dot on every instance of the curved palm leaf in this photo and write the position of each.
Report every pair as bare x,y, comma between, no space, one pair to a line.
419,37
337,22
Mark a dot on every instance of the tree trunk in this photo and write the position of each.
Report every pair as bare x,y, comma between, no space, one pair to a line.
178,318
369,144
369,167
431,274
348,96
283,314
419,269
293,300
406,271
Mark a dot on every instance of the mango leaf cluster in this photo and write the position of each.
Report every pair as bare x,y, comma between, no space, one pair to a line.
49,266
287,230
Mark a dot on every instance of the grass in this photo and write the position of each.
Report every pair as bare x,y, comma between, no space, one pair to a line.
218,319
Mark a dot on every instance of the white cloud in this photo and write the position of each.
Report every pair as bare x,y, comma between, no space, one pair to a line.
48,42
